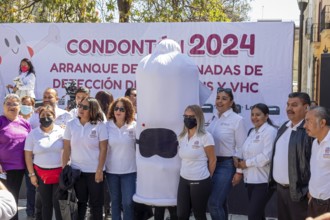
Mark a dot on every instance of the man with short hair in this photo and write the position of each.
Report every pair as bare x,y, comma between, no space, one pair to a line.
81,93
289,167
131,95
50,97
317,126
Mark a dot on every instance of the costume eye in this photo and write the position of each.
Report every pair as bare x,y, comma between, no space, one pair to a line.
6,42
18,40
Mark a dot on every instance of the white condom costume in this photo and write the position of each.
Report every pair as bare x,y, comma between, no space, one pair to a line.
167,82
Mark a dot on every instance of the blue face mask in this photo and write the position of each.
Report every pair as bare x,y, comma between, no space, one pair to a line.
25,109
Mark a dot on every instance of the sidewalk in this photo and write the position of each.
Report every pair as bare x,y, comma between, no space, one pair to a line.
22,214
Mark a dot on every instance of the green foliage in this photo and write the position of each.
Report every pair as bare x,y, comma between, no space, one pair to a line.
179,10
48,11
236,10
126,10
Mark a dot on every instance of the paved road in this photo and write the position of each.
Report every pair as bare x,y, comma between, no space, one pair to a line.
22,214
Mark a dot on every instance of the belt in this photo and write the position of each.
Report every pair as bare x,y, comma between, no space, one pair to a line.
285,186
221,159
321,201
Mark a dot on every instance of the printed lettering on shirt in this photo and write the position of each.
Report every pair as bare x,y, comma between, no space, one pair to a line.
257,139
93,134
196,145
224,123
131,134
326,153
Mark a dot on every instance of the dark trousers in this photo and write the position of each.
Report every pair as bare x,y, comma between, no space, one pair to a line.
13,184
193,195
258,195
318,207
107,200
38,206
142,211
288,209
30,195
87,190
160,212
48,200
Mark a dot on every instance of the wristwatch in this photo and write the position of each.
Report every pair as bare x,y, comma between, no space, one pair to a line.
31,174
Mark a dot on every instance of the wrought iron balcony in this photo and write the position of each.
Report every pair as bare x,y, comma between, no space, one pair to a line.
325,18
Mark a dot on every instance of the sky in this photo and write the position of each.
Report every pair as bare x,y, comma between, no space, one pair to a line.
286,10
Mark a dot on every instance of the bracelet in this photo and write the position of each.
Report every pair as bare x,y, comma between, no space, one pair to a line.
31,174
239,173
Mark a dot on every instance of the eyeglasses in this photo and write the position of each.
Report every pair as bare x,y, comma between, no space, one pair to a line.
12,104
227,90
189,116
121,109
84,107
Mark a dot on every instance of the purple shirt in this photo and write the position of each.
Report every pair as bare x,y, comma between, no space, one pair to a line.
12,139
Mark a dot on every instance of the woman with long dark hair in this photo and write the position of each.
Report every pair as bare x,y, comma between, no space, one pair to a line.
85,145
257,151
25,82
229,135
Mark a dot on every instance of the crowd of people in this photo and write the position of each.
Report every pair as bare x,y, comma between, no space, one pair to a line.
98,138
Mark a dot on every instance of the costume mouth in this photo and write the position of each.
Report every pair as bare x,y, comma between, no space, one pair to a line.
15,52
158,141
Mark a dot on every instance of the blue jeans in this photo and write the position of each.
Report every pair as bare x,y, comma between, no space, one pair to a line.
221,185
122,188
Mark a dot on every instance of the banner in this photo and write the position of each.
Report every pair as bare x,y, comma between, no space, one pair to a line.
253,59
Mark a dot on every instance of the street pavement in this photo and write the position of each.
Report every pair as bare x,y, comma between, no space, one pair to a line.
22,214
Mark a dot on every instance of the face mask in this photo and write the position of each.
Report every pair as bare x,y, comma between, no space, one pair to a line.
24,69
46,122
25,109
190,122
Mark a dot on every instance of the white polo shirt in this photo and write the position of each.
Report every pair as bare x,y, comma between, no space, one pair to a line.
85,144
281,157
257,152
62,117
229,134
194,165
46,147
121,148
319,183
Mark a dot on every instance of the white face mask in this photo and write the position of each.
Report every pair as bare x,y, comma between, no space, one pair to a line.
25,109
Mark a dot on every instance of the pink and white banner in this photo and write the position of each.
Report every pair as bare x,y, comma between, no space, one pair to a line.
253,59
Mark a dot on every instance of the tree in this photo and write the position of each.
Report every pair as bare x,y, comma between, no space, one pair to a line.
236,10
48,11
179,10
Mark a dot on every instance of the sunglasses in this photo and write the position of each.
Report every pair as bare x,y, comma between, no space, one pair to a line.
189,116
12,104
84,107
121,109
227,90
